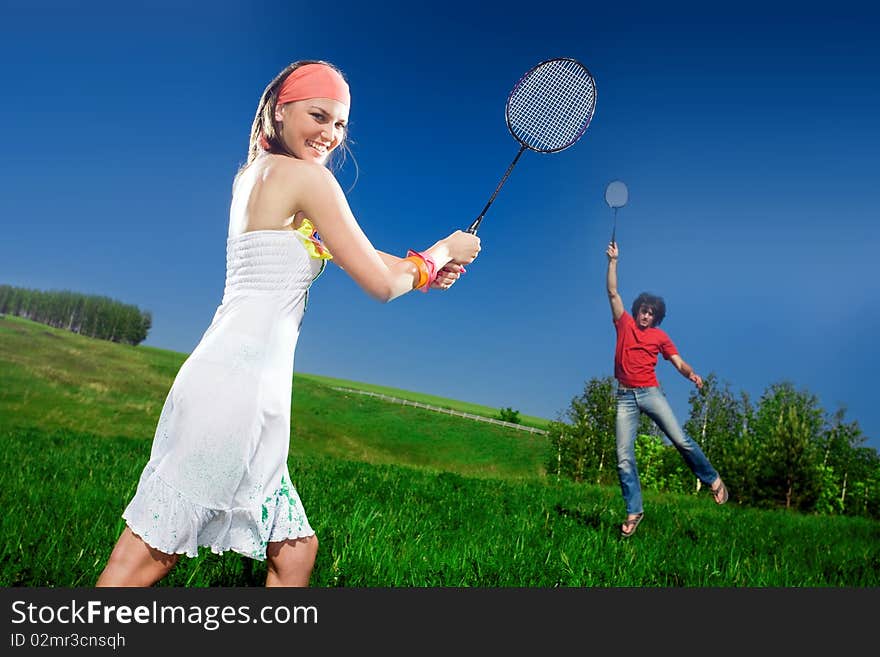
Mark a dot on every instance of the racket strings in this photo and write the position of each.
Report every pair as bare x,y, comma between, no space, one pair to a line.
551,107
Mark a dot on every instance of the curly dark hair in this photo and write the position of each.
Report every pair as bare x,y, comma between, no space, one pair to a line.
655,303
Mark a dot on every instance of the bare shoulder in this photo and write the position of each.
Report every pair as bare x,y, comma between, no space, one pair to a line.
272,189
305,187
292,174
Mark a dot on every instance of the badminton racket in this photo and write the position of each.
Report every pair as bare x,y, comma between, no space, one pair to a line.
616,196
548,110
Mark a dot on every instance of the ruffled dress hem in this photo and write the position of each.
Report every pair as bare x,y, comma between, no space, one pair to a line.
167,521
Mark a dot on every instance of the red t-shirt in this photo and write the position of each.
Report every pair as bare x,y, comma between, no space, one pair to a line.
635,356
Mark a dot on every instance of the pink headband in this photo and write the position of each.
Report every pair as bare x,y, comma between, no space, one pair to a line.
314,81
311,81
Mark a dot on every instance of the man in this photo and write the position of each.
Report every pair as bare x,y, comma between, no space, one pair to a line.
639,341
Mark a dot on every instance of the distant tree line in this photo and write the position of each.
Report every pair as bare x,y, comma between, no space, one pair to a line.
93,316
783,452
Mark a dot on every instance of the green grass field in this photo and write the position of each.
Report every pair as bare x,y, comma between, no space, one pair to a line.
399,496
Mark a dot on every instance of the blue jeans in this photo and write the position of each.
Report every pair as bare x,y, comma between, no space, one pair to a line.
652,402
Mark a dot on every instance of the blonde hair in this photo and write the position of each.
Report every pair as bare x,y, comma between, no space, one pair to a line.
265,125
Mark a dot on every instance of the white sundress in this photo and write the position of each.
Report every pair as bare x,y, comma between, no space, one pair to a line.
217,474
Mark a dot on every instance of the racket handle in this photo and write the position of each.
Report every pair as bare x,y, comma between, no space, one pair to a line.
472,229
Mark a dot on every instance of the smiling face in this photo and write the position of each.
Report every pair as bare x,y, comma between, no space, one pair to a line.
312,128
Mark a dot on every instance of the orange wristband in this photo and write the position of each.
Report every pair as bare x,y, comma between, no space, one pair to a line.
428,275
420,264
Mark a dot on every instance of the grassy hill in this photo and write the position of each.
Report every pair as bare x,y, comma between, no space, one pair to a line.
55,379
432,400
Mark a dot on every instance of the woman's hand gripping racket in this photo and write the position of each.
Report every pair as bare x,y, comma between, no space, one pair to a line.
548,110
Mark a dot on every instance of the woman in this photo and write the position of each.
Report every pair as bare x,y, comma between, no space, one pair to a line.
217,474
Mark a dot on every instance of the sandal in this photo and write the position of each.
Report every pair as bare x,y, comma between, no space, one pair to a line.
630,525
720,494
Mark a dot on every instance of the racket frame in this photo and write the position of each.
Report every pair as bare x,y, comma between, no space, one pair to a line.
523,145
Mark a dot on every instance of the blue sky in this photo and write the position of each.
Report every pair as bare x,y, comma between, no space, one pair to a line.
747,136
